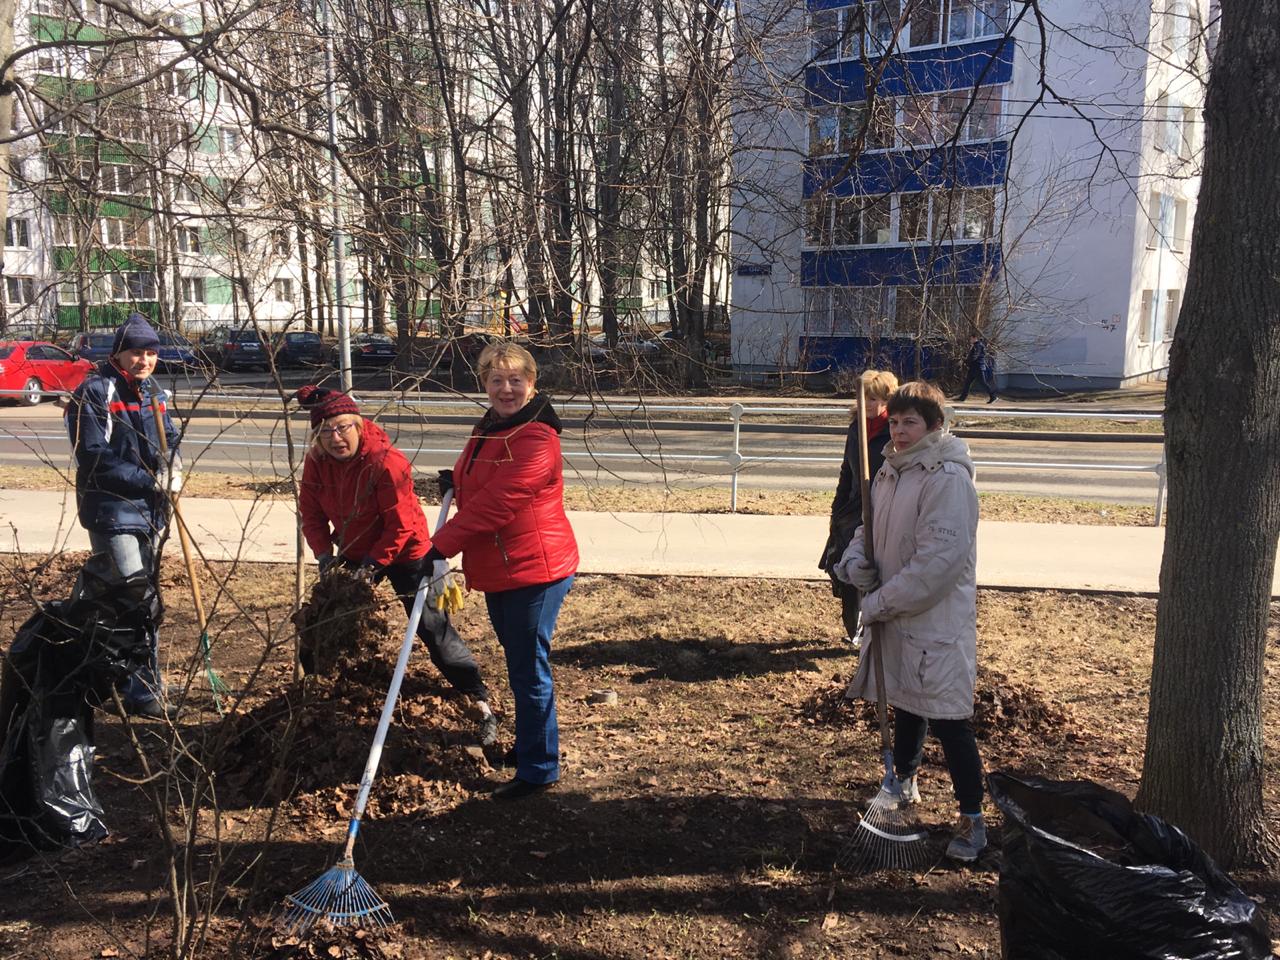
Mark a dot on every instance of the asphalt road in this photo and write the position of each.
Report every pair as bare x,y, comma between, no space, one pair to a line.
600,454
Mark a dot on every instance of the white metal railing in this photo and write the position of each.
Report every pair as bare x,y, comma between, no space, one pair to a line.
734,458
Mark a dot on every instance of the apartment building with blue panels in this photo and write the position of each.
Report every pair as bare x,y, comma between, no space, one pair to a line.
921,184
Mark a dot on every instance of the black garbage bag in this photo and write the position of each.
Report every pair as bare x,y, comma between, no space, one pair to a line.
67,657
1085,876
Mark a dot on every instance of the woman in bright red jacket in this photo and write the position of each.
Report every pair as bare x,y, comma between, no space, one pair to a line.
517,547
359,509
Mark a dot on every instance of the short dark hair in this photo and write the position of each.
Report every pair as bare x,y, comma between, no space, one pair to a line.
922,397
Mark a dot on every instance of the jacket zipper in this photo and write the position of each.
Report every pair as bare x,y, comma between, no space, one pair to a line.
497,538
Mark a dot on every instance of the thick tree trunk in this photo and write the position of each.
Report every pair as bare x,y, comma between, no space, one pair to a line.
1204,765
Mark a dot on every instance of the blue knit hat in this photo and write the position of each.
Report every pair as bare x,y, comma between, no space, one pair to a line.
135,334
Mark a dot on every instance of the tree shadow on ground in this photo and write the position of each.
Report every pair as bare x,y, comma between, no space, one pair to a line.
697,659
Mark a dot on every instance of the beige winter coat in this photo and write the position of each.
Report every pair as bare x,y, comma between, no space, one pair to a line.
925,525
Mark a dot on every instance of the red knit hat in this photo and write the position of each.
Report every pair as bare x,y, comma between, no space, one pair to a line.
324,403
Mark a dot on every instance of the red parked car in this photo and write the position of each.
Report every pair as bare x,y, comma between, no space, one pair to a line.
34,366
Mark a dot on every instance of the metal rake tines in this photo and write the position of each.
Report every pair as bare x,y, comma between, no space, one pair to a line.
339,895
887,838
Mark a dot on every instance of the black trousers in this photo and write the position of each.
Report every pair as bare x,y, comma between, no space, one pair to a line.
958,746
977,371
448,651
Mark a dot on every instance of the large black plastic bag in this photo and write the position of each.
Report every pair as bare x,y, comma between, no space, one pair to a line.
65,658
46,758
1085,876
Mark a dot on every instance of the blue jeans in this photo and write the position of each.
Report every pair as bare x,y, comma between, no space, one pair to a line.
524,620
132,553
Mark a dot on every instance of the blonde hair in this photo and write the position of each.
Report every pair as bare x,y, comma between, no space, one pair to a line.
315,431
878,385
506,354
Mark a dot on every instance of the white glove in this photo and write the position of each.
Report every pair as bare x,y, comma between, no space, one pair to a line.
441,578
444,593
175,481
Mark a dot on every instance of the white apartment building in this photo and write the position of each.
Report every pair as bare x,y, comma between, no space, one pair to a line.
924,181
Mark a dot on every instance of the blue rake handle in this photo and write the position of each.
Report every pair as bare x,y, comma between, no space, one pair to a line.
393,694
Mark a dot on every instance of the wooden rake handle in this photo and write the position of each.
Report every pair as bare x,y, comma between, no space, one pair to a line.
174,499
868,550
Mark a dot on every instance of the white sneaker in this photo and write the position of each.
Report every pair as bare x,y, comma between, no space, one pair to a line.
970,839
908,790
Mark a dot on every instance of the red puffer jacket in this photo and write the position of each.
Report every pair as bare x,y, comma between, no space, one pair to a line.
509,487
364,506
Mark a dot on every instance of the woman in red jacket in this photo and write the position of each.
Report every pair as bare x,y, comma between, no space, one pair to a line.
356,498
517,547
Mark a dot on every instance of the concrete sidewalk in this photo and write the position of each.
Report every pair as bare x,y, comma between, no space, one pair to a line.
1059,556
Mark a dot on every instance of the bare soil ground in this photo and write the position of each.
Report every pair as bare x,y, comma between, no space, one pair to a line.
698,817
648,498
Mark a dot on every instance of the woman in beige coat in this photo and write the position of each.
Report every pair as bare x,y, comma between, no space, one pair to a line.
923,590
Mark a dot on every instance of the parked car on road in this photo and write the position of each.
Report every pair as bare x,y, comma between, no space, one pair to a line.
369,348
94,345
35,366
176,352
228,348
300,348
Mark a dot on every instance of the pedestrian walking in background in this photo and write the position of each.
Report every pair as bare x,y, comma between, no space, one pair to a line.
979,365
123,481
359,509
517,547
846,506
923,588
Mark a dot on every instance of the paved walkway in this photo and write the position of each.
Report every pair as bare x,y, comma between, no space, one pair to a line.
1125,559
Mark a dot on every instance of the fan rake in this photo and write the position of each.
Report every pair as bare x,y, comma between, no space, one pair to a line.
888,836
340,895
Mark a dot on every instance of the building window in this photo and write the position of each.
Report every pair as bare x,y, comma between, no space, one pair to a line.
1147,318
133,286
979,214
1153,219
818,221
19,290
1187,140
862,220
189,239
823,132
193,290
280,242
927,23
228,139
1180,226
913,217
17,232
917,122
878,120
876,220
956,21
282,289
824,33
1169,127
1172,307
817,311
119,178
112,231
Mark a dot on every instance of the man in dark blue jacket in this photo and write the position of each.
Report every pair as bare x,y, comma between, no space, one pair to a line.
978,366
123,480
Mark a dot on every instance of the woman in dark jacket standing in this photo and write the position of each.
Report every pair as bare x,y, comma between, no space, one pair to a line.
846,507
517,547
358,508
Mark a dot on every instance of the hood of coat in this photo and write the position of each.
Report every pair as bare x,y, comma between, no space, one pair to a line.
930,452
